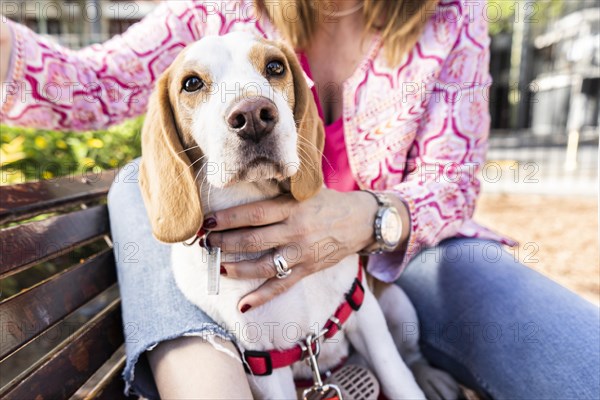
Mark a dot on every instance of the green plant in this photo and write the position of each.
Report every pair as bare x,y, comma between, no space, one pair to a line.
29,154
502,14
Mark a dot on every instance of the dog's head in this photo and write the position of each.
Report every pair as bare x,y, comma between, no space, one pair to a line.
237,106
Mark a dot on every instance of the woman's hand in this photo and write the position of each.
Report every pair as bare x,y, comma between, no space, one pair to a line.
310,235
5,47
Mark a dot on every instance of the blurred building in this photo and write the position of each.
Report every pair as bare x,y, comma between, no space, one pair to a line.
567,74
546,68
78,23
545,62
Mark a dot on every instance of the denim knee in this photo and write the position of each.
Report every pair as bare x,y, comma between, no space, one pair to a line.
517,333
125,187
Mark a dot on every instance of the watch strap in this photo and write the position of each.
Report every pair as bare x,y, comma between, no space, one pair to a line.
382,199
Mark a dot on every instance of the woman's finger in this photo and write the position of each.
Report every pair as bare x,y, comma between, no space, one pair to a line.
271,288
251,240
263,267
252,214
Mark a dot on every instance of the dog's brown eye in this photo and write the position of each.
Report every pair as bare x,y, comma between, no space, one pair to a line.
275,68
192,84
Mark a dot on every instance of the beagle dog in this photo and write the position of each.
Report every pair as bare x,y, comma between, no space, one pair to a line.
233,121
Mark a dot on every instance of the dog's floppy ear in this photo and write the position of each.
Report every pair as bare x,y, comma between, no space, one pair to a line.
311,136
166,176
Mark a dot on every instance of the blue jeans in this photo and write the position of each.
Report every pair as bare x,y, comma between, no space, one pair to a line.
500,326
494,324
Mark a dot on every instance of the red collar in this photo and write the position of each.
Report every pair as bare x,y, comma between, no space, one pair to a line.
261,363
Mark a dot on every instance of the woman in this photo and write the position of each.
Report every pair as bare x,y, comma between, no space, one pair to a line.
402,91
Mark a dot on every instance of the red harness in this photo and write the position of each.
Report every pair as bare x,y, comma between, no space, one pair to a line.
262,363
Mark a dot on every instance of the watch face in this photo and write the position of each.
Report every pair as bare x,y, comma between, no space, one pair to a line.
391,227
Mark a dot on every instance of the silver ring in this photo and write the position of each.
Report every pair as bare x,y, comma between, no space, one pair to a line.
282,267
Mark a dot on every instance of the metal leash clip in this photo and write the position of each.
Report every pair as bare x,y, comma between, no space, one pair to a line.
318,391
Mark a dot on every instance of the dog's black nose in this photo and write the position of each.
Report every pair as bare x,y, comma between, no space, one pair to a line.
253,118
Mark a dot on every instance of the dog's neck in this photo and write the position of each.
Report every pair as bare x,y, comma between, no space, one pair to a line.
219,198
215,199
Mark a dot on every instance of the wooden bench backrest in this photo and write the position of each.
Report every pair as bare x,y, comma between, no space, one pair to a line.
61,336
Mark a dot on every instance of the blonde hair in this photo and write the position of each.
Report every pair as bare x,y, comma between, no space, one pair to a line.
400,22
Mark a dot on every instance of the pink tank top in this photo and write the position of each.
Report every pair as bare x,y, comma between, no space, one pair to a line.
336,167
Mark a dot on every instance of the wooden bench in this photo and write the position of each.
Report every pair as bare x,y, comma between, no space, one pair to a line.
60,318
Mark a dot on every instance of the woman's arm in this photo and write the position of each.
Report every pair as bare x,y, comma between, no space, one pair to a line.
5,48
441,186
49,86
179,374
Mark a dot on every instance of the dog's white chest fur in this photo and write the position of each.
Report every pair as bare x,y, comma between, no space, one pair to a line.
282,322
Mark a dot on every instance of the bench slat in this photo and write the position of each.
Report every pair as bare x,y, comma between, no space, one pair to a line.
24,245
106,383
22,201
27,314
71,366
113,389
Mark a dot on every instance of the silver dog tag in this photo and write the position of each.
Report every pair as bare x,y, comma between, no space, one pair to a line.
214,270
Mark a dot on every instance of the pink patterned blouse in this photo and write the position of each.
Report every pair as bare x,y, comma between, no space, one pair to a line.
418,129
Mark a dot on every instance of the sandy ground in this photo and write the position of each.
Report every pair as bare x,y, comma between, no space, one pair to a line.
558,235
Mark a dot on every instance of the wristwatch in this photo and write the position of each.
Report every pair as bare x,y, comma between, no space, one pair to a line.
387,226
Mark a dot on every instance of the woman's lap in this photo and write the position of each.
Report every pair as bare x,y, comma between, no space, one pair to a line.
497,325
501,326
154,310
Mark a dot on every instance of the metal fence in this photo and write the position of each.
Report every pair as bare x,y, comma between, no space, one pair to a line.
523,162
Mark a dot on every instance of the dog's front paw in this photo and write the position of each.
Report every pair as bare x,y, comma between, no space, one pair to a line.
435,383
